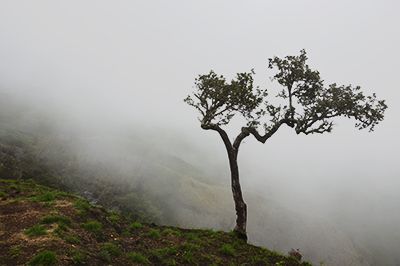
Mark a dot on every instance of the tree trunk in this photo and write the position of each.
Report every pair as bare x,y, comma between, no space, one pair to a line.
240,205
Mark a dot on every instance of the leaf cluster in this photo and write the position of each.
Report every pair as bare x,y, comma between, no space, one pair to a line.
304,103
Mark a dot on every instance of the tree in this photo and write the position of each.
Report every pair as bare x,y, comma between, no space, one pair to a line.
302,103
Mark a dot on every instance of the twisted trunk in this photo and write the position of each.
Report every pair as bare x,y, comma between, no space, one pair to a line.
232,150
240,205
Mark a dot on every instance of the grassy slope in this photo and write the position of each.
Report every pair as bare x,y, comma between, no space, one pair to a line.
40,225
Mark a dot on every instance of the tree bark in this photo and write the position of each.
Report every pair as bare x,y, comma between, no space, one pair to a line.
240,205
232,150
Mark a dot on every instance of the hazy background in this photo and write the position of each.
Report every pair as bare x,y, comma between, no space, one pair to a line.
127,65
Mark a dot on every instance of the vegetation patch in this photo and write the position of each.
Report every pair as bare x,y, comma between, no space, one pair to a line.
135,225
154,233
149,245
114,217
161,253
109,250
48,196
137,258
93,226
71,239
83,206
44,258
228,249
78,257
171,232
36,230
58,219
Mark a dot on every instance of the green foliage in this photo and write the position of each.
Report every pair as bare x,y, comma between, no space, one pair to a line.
48,196
59,219
154,233
137,258
161,253
194,237
135,225
93,226
306,103
44,258
227,249
3,194
71,239
218,100
78,257
82,206
109,250
114,217
171,232
36,230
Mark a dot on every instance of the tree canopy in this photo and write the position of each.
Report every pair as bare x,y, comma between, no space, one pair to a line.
307,105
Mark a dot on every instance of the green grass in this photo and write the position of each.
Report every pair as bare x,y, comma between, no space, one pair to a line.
58,219
171,232
36,230
78,257
161,253
83,206
93,226
2,194
190,247
44,258
228,249
135,225
108,251
114,217
137,258
48,196
71,239
154,233
192,236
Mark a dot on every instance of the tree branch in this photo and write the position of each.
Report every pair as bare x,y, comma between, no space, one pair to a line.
221,132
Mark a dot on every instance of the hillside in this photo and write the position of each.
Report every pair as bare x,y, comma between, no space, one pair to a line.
43,226
152,183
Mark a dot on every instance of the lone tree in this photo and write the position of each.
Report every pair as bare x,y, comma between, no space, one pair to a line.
305,104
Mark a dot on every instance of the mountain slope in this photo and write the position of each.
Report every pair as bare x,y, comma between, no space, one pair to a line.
43,226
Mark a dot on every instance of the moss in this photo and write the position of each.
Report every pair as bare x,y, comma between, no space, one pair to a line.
44,258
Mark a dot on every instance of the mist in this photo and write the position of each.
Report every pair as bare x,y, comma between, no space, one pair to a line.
101,75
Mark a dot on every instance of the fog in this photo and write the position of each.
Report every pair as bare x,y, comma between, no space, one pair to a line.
122,68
